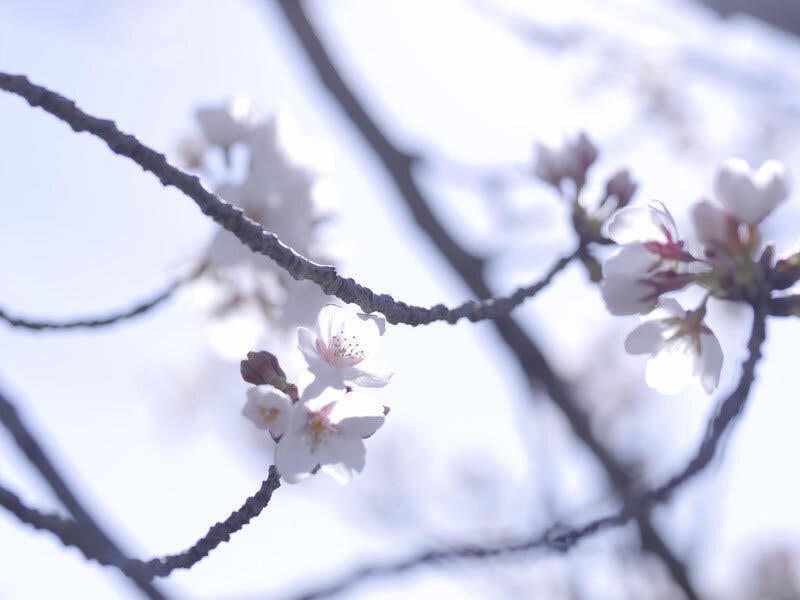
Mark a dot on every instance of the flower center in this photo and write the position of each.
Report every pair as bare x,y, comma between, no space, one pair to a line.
318,425
344,351
270,415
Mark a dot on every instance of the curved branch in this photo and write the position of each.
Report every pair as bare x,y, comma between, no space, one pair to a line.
95,539
529,357
110,319
562,539
71,534
249,232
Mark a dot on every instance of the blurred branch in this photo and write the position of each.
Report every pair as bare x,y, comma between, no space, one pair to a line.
71,534
562,539
399,166
249,232
92,322
94,538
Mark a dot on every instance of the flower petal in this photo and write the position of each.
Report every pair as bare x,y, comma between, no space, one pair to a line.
293,457
750,195
307,342
647,338
711,224
670,370
369,373
625,295
347,455
709,366
635,224
630,259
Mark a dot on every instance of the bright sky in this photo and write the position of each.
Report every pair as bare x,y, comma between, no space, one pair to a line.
147,423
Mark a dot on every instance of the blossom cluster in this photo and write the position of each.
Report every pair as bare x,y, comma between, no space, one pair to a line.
729,260
325,426
259,174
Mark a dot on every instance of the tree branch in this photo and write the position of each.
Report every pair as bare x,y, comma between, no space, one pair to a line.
249,232
563,539
70,534
110,319
94,537
529,357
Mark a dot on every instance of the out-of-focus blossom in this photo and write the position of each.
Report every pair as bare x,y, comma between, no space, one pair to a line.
328,431
751,195
571,160
226,124
681,346
716,229
339,352
268,408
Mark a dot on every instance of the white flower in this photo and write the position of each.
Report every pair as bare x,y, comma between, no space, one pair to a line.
339,351
751,195
328,431
681,347
268,408
226,124
632,281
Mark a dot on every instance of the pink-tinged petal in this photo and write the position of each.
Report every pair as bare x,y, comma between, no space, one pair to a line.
293,457
670,370
709,365
625,295
662,219
711,224
358,414
634,224
630,259
369,373
307,342
647,338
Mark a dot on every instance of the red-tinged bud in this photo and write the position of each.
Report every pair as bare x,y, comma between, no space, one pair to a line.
622,187
262,368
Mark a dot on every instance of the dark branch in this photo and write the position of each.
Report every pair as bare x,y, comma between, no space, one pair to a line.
249,232
71,534
560,539
527,354
95,539
135,311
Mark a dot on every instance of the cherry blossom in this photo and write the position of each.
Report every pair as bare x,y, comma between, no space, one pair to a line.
339,352
570,160
751,195
328,431
268,408
226,124
680,345
647,263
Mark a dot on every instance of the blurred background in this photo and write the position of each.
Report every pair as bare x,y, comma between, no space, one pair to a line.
144,417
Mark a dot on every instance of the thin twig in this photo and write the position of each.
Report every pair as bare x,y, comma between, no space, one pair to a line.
95,539
529,357
110,319
248,231
70,534
562,539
